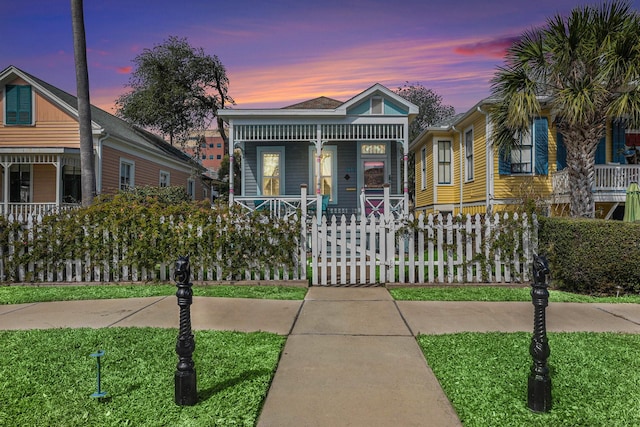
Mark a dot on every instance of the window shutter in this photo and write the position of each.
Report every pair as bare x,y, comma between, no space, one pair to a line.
24,105
618,133
601,152
541,145
504,162
18,105
561,152
12,105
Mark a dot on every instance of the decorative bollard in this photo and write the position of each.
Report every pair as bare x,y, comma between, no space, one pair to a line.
539,390
186,393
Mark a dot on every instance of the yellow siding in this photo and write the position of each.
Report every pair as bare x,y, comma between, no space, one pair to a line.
514,188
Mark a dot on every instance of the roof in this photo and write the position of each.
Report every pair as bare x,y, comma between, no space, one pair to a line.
109,123
320,103
321,107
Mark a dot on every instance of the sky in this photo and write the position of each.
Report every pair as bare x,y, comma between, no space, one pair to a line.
281,52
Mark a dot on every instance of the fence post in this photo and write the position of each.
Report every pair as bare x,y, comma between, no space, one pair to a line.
186,393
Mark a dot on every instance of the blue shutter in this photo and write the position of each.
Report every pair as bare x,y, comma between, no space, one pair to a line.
24,105
601,152
561,152
618,133
541,145
504,162
18,105
11,117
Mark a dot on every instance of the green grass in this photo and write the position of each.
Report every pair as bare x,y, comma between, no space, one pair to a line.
496,293
47,377
28,294
595,378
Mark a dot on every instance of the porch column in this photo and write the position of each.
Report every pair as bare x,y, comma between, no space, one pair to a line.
5,187
318,144
231,164
57,164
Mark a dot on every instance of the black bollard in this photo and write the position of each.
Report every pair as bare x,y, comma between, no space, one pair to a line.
186,392
539,389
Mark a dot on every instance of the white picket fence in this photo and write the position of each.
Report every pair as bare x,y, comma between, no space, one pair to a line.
429,250
336,251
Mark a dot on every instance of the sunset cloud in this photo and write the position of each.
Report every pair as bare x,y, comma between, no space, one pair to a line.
495,48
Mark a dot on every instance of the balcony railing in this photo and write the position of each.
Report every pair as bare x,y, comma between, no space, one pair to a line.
611,181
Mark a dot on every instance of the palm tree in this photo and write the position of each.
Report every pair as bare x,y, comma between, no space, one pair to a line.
585,69
87,167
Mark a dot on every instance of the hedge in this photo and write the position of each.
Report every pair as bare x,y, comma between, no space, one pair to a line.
592,256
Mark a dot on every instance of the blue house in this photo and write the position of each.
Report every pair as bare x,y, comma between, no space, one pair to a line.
343,155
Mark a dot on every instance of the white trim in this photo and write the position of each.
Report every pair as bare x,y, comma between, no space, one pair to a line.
423,168
132,172
168,180
436,171
191,188
270,150
468,178
333,149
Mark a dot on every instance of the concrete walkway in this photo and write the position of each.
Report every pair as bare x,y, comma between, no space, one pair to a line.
351,358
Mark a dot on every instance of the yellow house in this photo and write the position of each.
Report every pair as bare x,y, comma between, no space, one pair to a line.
458,170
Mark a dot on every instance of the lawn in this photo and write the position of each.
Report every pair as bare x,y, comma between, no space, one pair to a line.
28,294
47,377
595,378
496,293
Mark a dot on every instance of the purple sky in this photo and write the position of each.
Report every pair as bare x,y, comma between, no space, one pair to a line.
280,52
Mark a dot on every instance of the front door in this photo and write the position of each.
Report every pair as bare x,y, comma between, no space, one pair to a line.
374,172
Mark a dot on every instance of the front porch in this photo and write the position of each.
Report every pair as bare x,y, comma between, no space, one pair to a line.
377,204
611,183
39,181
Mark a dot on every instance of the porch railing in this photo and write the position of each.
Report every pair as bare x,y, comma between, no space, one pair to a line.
608,178
34,209
287,205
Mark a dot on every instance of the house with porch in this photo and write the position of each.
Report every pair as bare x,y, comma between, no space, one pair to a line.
345,155
40,150
459,171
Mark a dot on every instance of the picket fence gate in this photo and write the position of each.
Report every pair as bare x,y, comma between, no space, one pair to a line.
337,251
431,249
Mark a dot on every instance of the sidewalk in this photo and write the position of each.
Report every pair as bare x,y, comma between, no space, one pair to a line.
350,357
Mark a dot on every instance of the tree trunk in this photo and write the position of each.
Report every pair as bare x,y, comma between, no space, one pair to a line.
581,144
87,166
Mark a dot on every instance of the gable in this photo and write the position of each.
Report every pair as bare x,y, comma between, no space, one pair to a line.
389,108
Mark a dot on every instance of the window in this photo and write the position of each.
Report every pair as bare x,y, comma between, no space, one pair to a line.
165,179
531,154
368,148
191,188
18,105
219,145
376,105
219,157
204,157
270,171
328,171
468,154
210,145
20,183
521,155
71,185
423,168
210,156
126,174
444,162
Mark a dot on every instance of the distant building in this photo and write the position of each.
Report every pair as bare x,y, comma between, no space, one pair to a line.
208,150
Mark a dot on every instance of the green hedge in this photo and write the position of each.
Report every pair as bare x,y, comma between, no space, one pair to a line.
592,256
